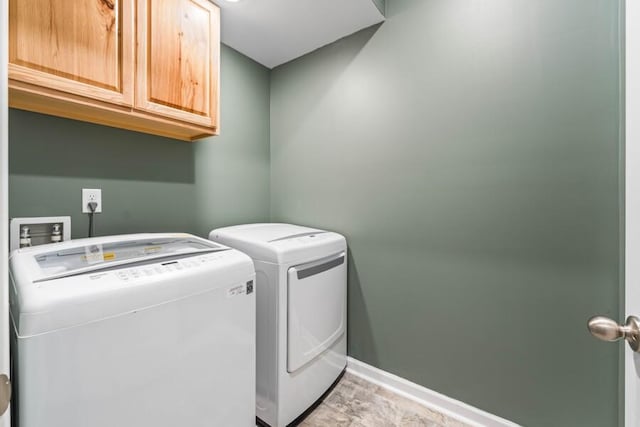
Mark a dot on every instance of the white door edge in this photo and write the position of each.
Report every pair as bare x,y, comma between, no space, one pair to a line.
5,420
632,202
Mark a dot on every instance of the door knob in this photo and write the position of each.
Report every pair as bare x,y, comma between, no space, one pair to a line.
5,393
608,330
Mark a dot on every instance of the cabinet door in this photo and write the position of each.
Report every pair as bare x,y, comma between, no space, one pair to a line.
178,59
82,47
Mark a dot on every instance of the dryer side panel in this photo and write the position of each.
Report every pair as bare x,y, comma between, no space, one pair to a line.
267,340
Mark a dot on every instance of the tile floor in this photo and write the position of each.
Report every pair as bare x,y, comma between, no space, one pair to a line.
355,402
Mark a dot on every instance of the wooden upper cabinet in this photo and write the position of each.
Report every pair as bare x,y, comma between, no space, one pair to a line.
84,47
146,65
178,49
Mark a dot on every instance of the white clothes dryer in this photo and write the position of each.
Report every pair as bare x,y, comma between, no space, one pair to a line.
301,299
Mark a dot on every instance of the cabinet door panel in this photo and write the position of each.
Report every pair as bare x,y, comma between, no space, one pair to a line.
178,55
83,47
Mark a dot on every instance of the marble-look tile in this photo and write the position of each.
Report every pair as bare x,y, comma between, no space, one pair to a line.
414,409
326,416
415,420
374,412
355,402
451,422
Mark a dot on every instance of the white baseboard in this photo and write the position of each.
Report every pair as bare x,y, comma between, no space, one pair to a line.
429,398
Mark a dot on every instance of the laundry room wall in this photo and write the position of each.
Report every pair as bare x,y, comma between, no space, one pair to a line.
380,4
149,183
469,152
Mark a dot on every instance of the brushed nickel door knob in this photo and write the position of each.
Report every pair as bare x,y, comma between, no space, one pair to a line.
607,329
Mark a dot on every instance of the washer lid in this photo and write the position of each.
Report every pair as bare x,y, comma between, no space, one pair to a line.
67,284
90,255
280,243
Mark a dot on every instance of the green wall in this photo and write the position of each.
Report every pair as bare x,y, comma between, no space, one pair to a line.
380,4
469,152
149,183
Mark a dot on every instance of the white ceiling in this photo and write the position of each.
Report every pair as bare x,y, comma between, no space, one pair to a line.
273,32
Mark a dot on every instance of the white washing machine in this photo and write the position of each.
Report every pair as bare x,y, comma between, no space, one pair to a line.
301,287
137,331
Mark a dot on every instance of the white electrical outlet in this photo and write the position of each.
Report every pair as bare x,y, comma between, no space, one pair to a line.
91,195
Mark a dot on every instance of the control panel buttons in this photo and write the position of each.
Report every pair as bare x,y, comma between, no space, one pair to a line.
134,273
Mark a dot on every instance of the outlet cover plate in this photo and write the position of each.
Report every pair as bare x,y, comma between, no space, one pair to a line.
91,195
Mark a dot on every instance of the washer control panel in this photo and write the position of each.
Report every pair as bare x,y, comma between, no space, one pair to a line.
167,267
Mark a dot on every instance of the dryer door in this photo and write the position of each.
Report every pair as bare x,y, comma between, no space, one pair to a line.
317,312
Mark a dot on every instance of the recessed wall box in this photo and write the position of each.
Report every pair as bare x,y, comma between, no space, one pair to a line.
38,231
